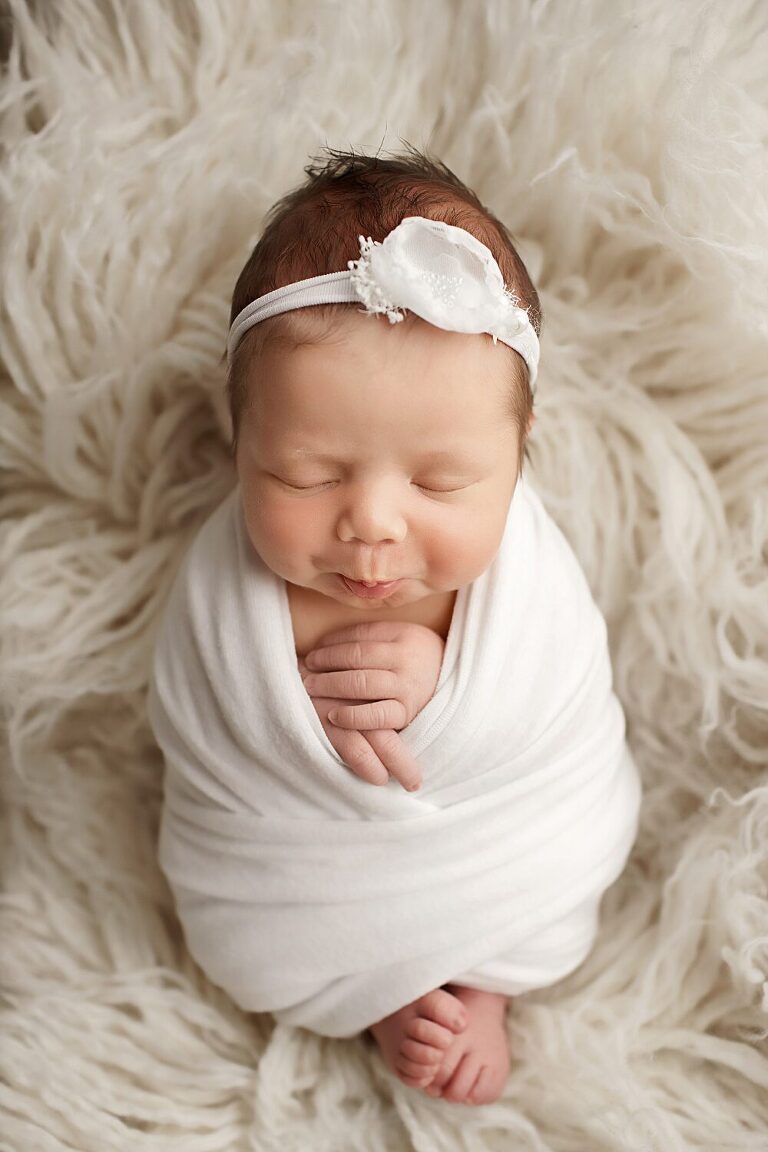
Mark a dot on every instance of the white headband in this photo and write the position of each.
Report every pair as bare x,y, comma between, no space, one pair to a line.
440,272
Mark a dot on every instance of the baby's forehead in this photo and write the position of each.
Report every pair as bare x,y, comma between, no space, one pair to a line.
358,434
377,373
340,328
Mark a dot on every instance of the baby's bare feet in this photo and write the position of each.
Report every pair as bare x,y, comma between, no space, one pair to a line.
476,1065
414,1040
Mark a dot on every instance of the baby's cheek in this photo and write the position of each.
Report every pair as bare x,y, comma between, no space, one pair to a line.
282,524
283,527
280,535
459,557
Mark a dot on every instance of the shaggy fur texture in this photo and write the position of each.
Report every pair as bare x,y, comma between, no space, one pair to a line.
625,147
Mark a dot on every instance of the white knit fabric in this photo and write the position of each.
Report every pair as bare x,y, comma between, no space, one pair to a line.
307,892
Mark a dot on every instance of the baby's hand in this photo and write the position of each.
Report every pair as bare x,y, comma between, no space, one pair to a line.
394,665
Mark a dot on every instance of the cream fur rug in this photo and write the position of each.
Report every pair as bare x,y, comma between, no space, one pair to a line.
626,147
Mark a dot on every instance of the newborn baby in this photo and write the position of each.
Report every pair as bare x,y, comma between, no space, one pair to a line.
451,795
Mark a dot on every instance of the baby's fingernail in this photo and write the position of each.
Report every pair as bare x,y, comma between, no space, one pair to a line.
333,717
309,660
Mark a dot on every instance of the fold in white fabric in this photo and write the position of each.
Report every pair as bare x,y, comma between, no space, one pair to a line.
304,891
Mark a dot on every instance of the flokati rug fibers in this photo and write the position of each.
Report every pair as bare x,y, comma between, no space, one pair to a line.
625,146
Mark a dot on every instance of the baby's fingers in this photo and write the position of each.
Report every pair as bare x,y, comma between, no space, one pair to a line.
379,714
354,683
396,758
351,654
358,755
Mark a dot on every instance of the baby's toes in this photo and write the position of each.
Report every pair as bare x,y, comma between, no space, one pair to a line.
492,1080
423,1054
430,1033
450,1062
443,1008
463,1080
413,1072
415,1081
488,1086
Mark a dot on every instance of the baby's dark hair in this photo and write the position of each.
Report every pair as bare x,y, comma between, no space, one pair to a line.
315,229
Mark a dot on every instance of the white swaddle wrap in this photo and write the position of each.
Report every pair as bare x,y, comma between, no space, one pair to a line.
330,902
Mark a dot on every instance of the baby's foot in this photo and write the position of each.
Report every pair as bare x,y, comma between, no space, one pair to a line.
476,1065
414,1040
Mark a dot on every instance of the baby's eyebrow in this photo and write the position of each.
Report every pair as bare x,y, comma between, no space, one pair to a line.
447,454
458,454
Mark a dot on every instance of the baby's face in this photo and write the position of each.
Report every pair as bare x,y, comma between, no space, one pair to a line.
335,466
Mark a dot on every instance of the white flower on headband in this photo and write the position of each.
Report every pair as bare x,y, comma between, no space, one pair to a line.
440,272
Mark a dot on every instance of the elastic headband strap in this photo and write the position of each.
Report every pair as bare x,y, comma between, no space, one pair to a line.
332,288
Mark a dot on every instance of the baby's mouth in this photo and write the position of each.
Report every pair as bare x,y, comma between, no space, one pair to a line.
369,583
365,588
